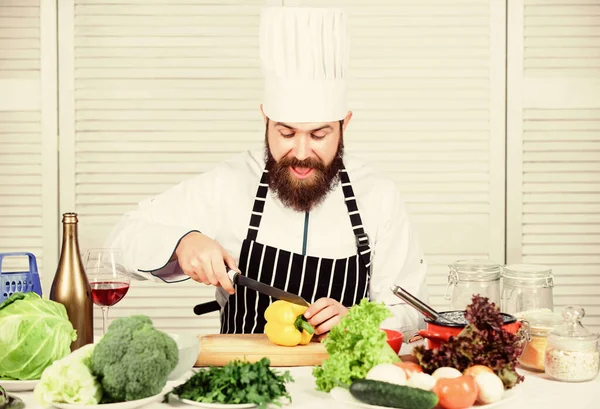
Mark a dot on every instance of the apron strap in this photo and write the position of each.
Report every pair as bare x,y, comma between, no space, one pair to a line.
259,206
360,236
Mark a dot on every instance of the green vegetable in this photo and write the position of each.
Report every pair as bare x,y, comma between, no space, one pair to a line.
482,342
34,332
10,402
355,345
69,380
394,396
133,359
237,382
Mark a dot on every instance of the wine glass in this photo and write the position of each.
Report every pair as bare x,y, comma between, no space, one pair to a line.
108,277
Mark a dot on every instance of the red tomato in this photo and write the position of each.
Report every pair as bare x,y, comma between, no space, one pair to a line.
456,393
409,367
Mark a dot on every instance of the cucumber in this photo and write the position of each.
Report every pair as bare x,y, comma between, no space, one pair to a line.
393,396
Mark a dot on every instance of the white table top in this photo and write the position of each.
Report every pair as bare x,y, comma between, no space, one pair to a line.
537,391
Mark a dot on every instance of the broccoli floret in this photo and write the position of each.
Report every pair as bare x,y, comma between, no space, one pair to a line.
133,360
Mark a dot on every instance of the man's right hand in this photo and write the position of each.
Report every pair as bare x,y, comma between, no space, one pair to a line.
204,260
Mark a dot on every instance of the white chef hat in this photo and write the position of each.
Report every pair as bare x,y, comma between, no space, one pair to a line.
304,56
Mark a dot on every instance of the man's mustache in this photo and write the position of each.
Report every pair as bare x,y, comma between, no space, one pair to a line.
310,163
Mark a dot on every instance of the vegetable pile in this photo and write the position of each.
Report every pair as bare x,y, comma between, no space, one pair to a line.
34,333
482,342
132,361
235,383
404,385
355,345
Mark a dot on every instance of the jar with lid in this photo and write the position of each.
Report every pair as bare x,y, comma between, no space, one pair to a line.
526,287
572,350
540,323
469,277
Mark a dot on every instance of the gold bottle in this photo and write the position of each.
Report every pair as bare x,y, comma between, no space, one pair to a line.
71,287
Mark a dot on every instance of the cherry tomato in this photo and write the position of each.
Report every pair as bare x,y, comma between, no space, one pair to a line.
409,367
456,393
476,370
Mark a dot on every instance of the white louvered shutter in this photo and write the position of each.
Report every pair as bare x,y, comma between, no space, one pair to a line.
554,146
153,92
427,93
20,132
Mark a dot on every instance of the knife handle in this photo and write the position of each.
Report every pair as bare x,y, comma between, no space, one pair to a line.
232,275
207,307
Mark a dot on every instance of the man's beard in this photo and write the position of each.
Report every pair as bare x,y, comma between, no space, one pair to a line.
302,195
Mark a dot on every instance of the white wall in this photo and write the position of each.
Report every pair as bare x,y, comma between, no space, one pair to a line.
151,92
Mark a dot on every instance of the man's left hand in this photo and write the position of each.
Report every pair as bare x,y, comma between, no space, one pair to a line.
324,314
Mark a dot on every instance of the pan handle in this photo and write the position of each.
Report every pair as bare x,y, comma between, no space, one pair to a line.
435,336
207,307
414,302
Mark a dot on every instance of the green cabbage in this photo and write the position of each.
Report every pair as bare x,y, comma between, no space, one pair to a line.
34,332
70,380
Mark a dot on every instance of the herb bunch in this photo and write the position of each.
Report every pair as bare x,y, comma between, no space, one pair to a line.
482,342
237,382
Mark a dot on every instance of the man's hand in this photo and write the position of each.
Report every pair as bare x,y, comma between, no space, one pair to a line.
323,314
204,260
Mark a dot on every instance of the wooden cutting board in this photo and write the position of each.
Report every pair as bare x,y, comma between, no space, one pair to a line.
219,349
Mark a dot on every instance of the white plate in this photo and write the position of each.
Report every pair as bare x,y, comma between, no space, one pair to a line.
215,405
344,395
219,405
19,386
132,404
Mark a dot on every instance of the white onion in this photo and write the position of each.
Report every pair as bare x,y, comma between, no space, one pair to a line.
446,372
490,387
387,373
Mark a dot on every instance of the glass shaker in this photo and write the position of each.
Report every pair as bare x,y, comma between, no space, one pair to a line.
572,350
526,287
469,277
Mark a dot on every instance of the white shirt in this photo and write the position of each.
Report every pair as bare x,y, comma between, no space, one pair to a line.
218,203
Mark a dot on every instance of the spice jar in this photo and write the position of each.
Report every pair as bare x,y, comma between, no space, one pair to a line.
540,323
469,277
572,350
526,287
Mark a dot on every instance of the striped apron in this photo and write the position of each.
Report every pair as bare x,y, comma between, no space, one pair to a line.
345,280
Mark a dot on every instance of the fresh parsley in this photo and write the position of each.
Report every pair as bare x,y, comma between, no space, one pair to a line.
237,382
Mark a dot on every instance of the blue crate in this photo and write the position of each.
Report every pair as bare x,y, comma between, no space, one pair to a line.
20,281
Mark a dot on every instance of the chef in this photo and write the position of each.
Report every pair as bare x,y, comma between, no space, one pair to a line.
300,215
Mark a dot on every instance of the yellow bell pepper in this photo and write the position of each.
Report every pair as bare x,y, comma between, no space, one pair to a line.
286,325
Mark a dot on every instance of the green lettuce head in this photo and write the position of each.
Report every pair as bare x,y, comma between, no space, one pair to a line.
34,332
70,380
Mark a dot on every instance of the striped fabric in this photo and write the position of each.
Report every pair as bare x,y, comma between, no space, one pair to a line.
345,280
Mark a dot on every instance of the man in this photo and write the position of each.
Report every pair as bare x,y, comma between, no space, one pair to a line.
301,215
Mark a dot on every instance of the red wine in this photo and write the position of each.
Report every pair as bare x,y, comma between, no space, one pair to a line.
108,293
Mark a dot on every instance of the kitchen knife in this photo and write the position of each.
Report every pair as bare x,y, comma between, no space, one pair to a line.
239,279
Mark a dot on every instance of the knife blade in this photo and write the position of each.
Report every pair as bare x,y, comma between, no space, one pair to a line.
239,279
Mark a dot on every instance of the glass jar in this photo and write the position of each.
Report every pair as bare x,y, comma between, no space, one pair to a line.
540,323
526,287
469,277
572,350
